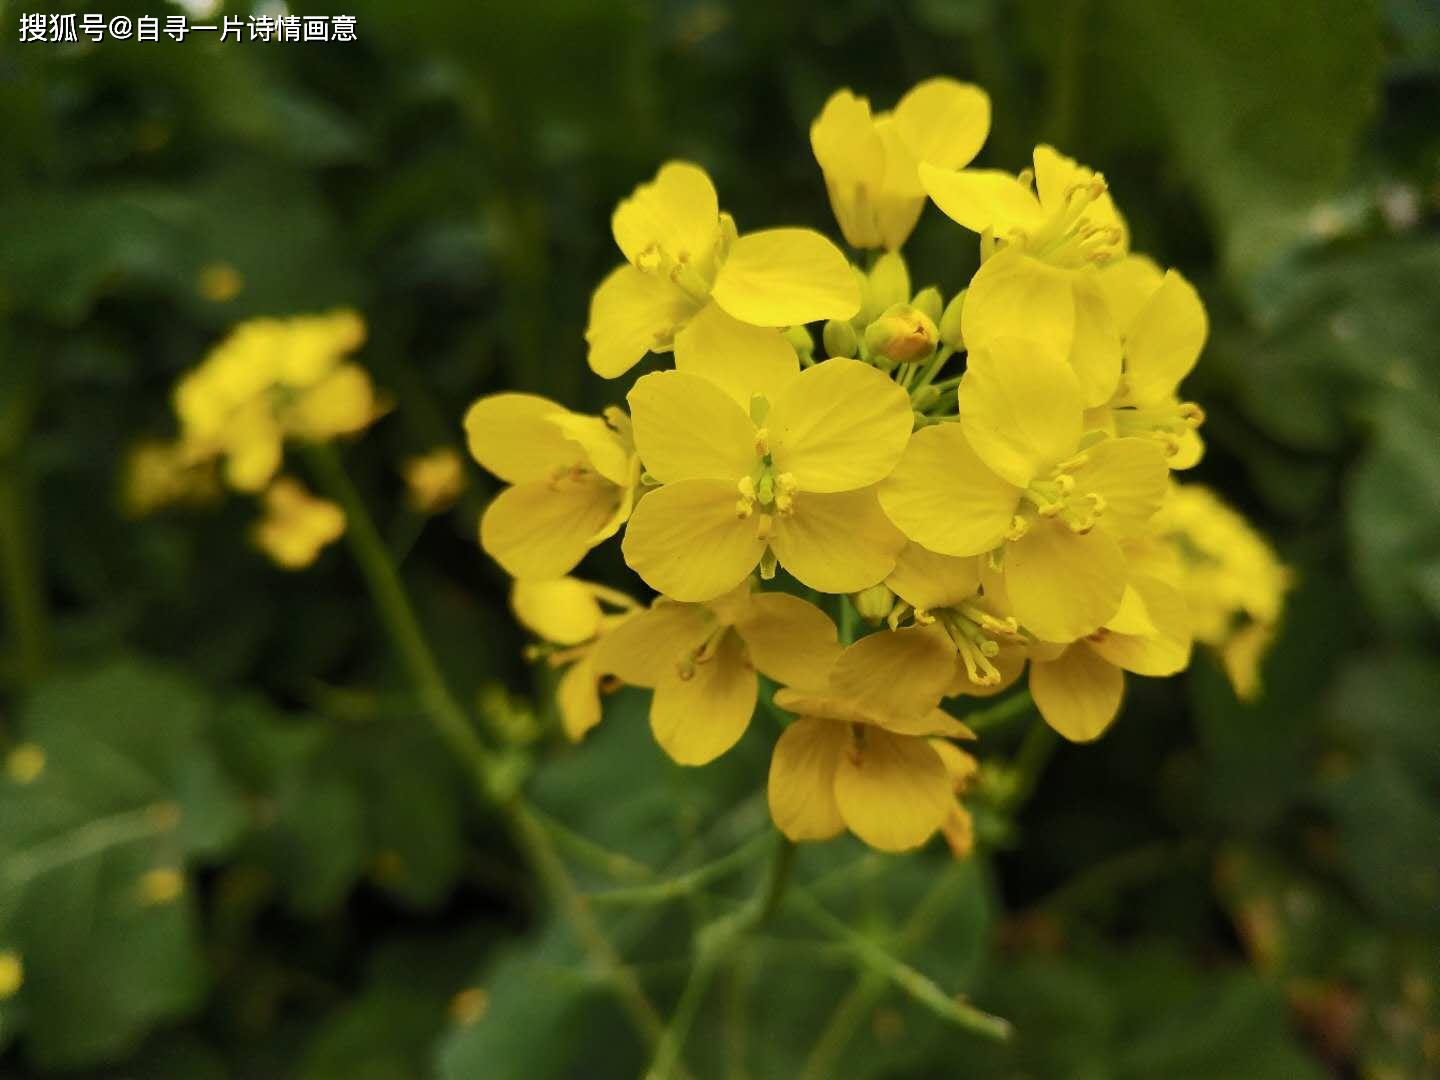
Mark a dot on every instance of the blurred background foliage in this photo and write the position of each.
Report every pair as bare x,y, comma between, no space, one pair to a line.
246,854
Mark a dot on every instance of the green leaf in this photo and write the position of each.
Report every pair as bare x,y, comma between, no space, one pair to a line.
129,788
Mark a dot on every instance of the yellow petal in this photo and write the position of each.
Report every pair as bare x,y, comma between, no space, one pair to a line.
789,640
296,525
562,610
341,403
893,792
1132,617
633,313
936,722
841,425
1127,285
1020,408
1078,694
852,158
599,443
836,543
1166,648
1095,348
982,199
926,580
254,449
1132,477
696,719
941,495
901,199
944,122
1063,585
801,787
780,277
686,541
1192,449
677,211
741,359
578,698
896,674
649,645
1165,341
512,436
540,530
688,428
1014,295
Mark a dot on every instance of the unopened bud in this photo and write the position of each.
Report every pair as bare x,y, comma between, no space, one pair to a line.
840,339
802,342
887,284
902,334
874,603
929,301
950,321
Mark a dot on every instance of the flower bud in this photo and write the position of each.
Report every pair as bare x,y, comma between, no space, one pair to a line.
802,342
950,321
873,603
903,334
928,300
840,339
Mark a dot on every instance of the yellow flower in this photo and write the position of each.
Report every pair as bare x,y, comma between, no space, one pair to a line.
1163,326
1043,247
567,612
159,474
1233,582
870,161
958,827
791,480
683,255
572,481
273,378
435,480
1016,477
858,755
701,661
1078,687
12,973
296,525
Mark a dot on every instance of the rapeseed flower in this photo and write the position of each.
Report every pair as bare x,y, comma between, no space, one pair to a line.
701,660
1018,480
572,481
871,161
683,255
296,525
790,481
434,480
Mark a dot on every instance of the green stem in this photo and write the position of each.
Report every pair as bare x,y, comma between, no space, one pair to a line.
495,781
932,368
1002,712
1030,761
847,621
674,888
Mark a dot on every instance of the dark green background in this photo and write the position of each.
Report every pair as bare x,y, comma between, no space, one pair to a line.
1214,890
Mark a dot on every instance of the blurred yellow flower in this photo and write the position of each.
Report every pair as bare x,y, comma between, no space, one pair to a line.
219,282
159,474
791,480
871,162
859,754
435,480
1233,583
273,378
1014,479
25,763
12,973
571,615
683,255
296,525
701,661
572,481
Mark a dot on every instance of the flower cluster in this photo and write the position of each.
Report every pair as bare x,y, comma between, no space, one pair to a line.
988,481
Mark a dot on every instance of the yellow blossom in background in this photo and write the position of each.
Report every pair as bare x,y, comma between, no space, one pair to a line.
159,474
1233,583
572,481
1044,246
435,480
12,973
683,255
269,380
859,754
572,615
163,885
219,282
871,161
1014,480
25,763
296,525
701,660
791,480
